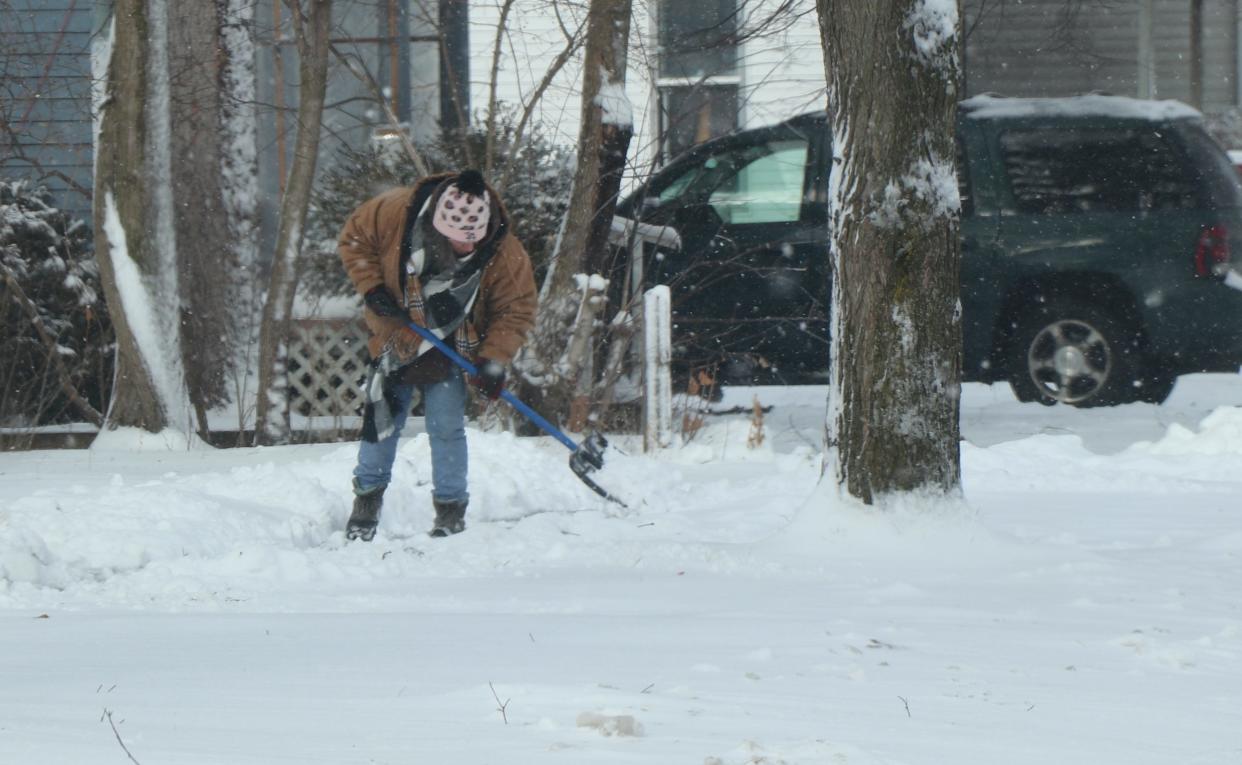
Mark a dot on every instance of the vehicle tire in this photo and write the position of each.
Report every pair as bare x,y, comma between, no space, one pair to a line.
1073,353
1157,383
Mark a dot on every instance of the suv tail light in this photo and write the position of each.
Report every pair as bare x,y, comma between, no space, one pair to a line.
1212,252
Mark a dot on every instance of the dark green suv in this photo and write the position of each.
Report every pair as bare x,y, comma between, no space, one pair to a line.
1098,241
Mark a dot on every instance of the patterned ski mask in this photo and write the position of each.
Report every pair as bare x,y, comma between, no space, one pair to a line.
463,209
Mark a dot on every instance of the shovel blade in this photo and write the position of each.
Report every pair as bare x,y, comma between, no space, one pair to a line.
589,457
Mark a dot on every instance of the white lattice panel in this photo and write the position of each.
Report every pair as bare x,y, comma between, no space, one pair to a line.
327,364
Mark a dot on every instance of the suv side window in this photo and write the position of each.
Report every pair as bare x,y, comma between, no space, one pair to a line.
1069,170
755,183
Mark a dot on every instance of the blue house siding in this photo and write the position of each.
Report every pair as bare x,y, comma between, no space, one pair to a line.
45,91
45,100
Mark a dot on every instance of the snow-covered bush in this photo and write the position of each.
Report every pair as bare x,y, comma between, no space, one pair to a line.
47,268
535,192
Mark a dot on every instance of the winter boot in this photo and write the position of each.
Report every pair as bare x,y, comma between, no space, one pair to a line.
450,517
365,517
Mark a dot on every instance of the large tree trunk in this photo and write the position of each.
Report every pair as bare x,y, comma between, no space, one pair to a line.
893,73
567,311
134,218
206,253
312,20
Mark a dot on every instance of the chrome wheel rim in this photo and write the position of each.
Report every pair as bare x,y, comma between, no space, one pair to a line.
1069,361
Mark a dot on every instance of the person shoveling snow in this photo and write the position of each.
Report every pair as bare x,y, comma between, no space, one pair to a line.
438,254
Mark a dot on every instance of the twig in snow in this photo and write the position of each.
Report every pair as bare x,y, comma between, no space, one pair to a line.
115,732
501,705
903,701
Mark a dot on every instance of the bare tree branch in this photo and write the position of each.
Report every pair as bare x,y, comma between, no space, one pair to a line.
501,706
115,732
357,69
573,43
490,139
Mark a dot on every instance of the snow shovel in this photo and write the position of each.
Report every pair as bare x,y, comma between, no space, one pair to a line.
584,459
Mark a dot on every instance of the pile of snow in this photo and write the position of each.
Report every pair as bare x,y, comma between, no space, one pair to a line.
119,532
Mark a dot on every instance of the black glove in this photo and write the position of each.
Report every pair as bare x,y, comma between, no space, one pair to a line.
442,309
382,303
490,378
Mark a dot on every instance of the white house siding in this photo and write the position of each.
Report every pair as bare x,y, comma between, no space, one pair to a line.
1171,43
781,75
533,42
1220,45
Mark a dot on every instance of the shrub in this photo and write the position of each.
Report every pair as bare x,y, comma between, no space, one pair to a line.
46,261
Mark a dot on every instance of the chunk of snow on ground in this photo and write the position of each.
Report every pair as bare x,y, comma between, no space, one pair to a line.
611,725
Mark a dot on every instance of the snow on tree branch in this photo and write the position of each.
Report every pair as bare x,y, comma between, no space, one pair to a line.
934,26
927,193
612,100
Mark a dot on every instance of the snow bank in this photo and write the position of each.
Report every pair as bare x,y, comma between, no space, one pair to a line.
138,440
142,520
169,532
1219,434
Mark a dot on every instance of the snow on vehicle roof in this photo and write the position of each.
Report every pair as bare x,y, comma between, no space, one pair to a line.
1094,105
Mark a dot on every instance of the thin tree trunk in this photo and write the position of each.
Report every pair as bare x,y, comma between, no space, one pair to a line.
240,170
566,310
893,83
311,22
206,255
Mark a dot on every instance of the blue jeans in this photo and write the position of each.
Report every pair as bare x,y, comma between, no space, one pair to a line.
444,407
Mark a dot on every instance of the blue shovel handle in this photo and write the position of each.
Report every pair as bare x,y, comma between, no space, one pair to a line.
513,400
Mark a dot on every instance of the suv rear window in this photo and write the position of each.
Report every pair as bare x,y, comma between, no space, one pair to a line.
1068,170
1212,169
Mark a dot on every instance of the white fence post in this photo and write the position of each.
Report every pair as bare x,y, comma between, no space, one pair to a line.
657,378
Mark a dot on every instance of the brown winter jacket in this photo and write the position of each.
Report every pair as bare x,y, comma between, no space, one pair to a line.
370,249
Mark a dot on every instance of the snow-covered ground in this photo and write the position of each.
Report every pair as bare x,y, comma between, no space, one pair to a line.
1084,606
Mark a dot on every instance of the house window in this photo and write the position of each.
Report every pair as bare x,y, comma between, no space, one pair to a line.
698,82
691,114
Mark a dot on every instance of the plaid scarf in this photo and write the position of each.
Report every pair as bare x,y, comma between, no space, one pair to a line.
442,289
